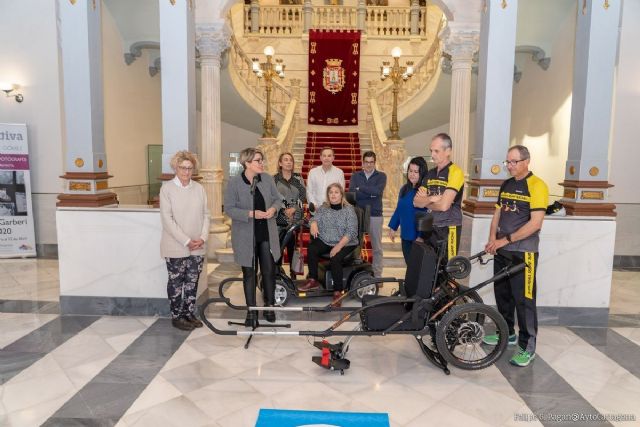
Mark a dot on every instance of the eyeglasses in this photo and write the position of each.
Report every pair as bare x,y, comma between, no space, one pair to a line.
185,168
367,162
258,160
512,162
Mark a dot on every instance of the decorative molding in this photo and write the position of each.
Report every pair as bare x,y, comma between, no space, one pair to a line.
135,50
212,40
155,67
537,54
459,52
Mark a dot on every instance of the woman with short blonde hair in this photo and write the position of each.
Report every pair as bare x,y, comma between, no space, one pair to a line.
251,200
185,229
181,156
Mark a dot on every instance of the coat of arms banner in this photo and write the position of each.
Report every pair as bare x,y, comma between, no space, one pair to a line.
334,75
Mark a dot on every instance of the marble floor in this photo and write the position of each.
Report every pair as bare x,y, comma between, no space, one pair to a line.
139,371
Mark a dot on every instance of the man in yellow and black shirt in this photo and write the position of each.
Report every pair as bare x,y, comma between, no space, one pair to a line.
515,230
441,192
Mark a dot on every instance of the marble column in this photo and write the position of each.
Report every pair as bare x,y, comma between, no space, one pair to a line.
81,53
461,44
586,175
212,40
493,111
177,49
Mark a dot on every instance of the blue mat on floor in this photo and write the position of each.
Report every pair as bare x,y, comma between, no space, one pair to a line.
287,418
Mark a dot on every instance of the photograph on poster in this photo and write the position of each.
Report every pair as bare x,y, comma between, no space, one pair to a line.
6,177
5,194
20,177
7,209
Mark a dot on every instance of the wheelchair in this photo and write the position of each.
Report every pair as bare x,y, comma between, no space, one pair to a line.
355,270
447,320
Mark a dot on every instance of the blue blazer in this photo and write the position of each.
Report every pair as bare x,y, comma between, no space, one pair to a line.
405,216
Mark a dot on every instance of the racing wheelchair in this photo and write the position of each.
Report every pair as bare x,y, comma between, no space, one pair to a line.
356,270
447,320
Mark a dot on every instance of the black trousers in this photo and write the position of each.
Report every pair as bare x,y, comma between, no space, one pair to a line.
316,248
291,245
518,293
450,235
267,268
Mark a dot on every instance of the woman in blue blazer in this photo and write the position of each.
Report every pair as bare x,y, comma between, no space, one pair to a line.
405,213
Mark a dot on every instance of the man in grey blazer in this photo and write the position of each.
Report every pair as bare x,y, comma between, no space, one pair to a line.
253,219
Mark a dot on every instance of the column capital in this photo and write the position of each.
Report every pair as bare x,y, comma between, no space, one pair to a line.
212,39
461,41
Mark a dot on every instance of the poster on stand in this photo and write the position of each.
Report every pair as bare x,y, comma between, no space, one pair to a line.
17,235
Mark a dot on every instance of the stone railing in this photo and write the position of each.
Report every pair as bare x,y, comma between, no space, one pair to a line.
382,21
377,21
335,17
423,74
391,154
255,93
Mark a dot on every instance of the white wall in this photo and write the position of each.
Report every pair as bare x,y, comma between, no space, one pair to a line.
624,173
235,139
541,110
418,144
132,109
29,52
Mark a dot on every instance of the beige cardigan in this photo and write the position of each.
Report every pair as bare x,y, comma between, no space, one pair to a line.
184,216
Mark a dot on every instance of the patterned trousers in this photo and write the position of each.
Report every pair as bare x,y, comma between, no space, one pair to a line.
183,284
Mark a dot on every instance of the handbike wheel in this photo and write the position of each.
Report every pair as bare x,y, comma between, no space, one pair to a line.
460,332
281,293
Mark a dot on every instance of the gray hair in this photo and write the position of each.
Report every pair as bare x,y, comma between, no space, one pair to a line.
248,154
445,138
522,150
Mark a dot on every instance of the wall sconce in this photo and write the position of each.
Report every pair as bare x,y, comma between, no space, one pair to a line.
8,88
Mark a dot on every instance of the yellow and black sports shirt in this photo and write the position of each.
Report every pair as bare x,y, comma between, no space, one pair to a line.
436,182
516,200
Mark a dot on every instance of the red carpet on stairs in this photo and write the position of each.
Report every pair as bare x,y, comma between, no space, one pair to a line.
346,147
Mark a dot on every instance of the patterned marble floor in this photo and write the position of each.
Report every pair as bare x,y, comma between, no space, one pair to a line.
139,371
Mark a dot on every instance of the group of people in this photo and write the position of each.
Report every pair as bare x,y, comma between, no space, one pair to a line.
262,207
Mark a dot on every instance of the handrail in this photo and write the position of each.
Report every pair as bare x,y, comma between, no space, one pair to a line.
392,154
242,65
286,135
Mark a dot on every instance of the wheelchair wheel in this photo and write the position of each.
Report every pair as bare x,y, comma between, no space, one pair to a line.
281,292
366,290
459,336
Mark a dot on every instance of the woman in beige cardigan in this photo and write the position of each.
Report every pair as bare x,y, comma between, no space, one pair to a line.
185,228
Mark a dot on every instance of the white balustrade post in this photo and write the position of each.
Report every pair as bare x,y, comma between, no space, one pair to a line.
81,51
362,16
587,168
255,16
212,40
415,17
177,49
308,15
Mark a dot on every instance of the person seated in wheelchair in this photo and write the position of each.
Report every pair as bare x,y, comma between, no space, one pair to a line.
335,231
